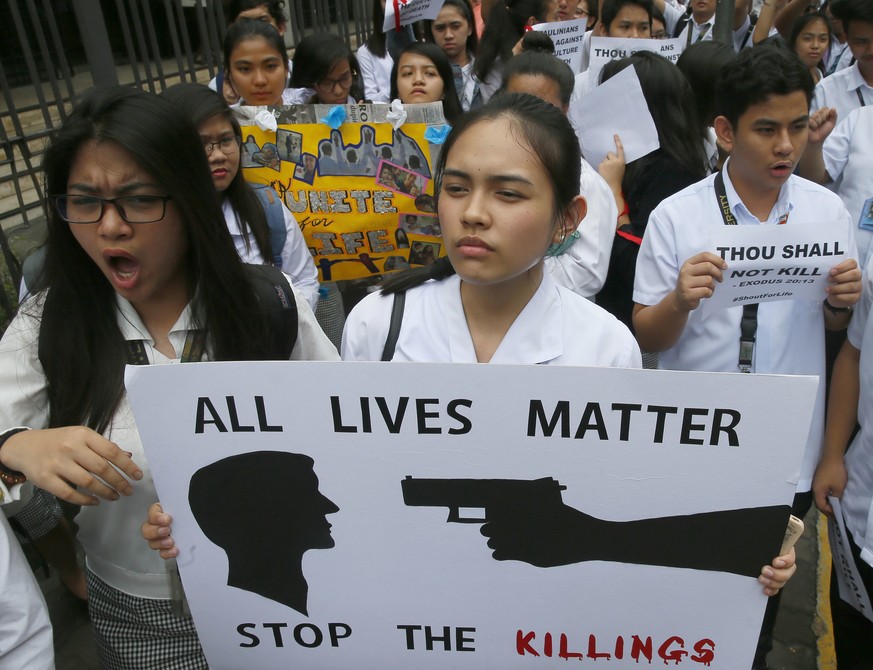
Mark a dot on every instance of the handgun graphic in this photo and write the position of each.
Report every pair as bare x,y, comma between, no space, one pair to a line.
483,494
526,520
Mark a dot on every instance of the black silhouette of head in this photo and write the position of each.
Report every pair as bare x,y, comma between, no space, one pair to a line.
265,510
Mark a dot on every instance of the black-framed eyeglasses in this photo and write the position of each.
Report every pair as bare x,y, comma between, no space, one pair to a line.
131,208
228,145
328,85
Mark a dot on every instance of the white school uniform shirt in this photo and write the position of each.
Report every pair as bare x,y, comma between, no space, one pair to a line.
790,336
582,267
110,532
857,500
556,327
673,14
841,90
25,629
376,74
848,159
839,56
296,260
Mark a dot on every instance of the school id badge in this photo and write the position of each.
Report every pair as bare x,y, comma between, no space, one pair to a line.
866,220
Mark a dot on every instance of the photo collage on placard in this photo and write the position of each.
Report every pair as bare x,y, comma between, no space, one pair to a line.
399,166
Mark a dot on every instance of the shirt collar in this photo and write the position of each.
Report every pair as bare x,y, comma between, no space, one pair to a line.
854,80
132,327
783,207
536,335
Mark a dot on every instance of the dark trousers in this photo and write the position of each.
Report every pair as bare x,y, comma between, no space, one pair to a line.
853,633
799,508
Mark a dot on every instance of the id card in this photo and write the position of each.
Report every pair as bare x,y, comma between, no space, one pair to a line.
866,220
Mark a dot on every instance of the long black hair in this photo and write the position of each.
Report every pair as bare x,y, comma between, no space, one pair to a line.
551,138
701,64
671,104
316,55
377,42
504,27
200,103
81,347
451,104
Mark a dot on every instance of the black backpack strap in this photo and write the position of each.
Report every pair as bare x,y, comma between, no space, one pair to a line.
394,327
277,303
684,20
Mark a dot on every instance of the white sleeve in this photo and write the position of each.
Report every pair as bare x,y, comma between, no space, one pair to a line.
312,344
23,388
672,15
25,629
657,266
297,261
838,145
582,267
370,71
820,96
366,328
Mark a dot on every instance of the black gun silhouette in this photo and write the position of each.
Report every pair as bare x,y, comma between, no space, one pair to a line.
484,494
527,521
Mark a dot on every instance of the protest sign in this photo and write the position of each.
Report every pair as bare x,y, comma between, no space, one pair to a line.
616,108
627,512
782,262
359,191
605,49
568,37
403,12
849,582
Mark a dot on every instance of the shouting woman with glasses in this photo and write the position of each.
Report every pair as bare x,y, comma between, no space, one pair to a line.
262,228
139,269
325,65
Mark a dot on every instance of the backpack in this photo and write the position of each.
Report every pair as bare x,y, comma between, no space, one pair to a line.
275,212
278,304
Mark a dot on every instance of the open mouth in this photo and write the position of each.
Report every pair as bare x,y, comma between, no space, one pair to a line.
781,170
124,267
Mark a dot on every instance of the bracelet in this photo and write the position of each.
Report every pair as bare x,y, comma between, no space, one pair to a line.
836,310
7,476
626,210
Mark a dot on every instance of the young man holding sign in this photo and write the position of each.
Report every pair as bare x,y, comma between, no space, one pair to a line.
763,107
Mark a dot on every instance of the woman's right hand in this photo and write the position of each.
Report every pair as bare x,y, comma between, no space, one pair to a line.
156,530
612,167
60,459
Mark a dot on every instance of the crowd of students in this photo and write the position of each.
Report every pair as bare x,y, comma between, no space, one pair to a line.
158,250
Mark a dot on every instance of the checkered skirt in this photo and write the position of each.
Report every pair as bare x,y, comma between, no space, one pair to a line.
140,633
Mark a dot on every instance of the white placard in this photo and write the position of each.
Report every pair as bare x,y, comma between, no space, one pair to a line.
605,49
568,37
325,495
618,107
403,12
767,263
851,587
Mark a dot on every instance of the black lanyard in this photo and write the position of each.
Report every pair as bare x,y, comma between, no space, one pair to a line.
700,34
860,97
749,321
192,351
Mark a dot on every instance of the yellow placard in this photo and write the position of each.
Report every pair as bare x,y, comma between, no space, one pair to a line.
361,193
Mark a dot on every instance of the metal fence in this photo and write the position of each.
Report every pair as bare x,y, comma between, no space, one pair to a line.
53,50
